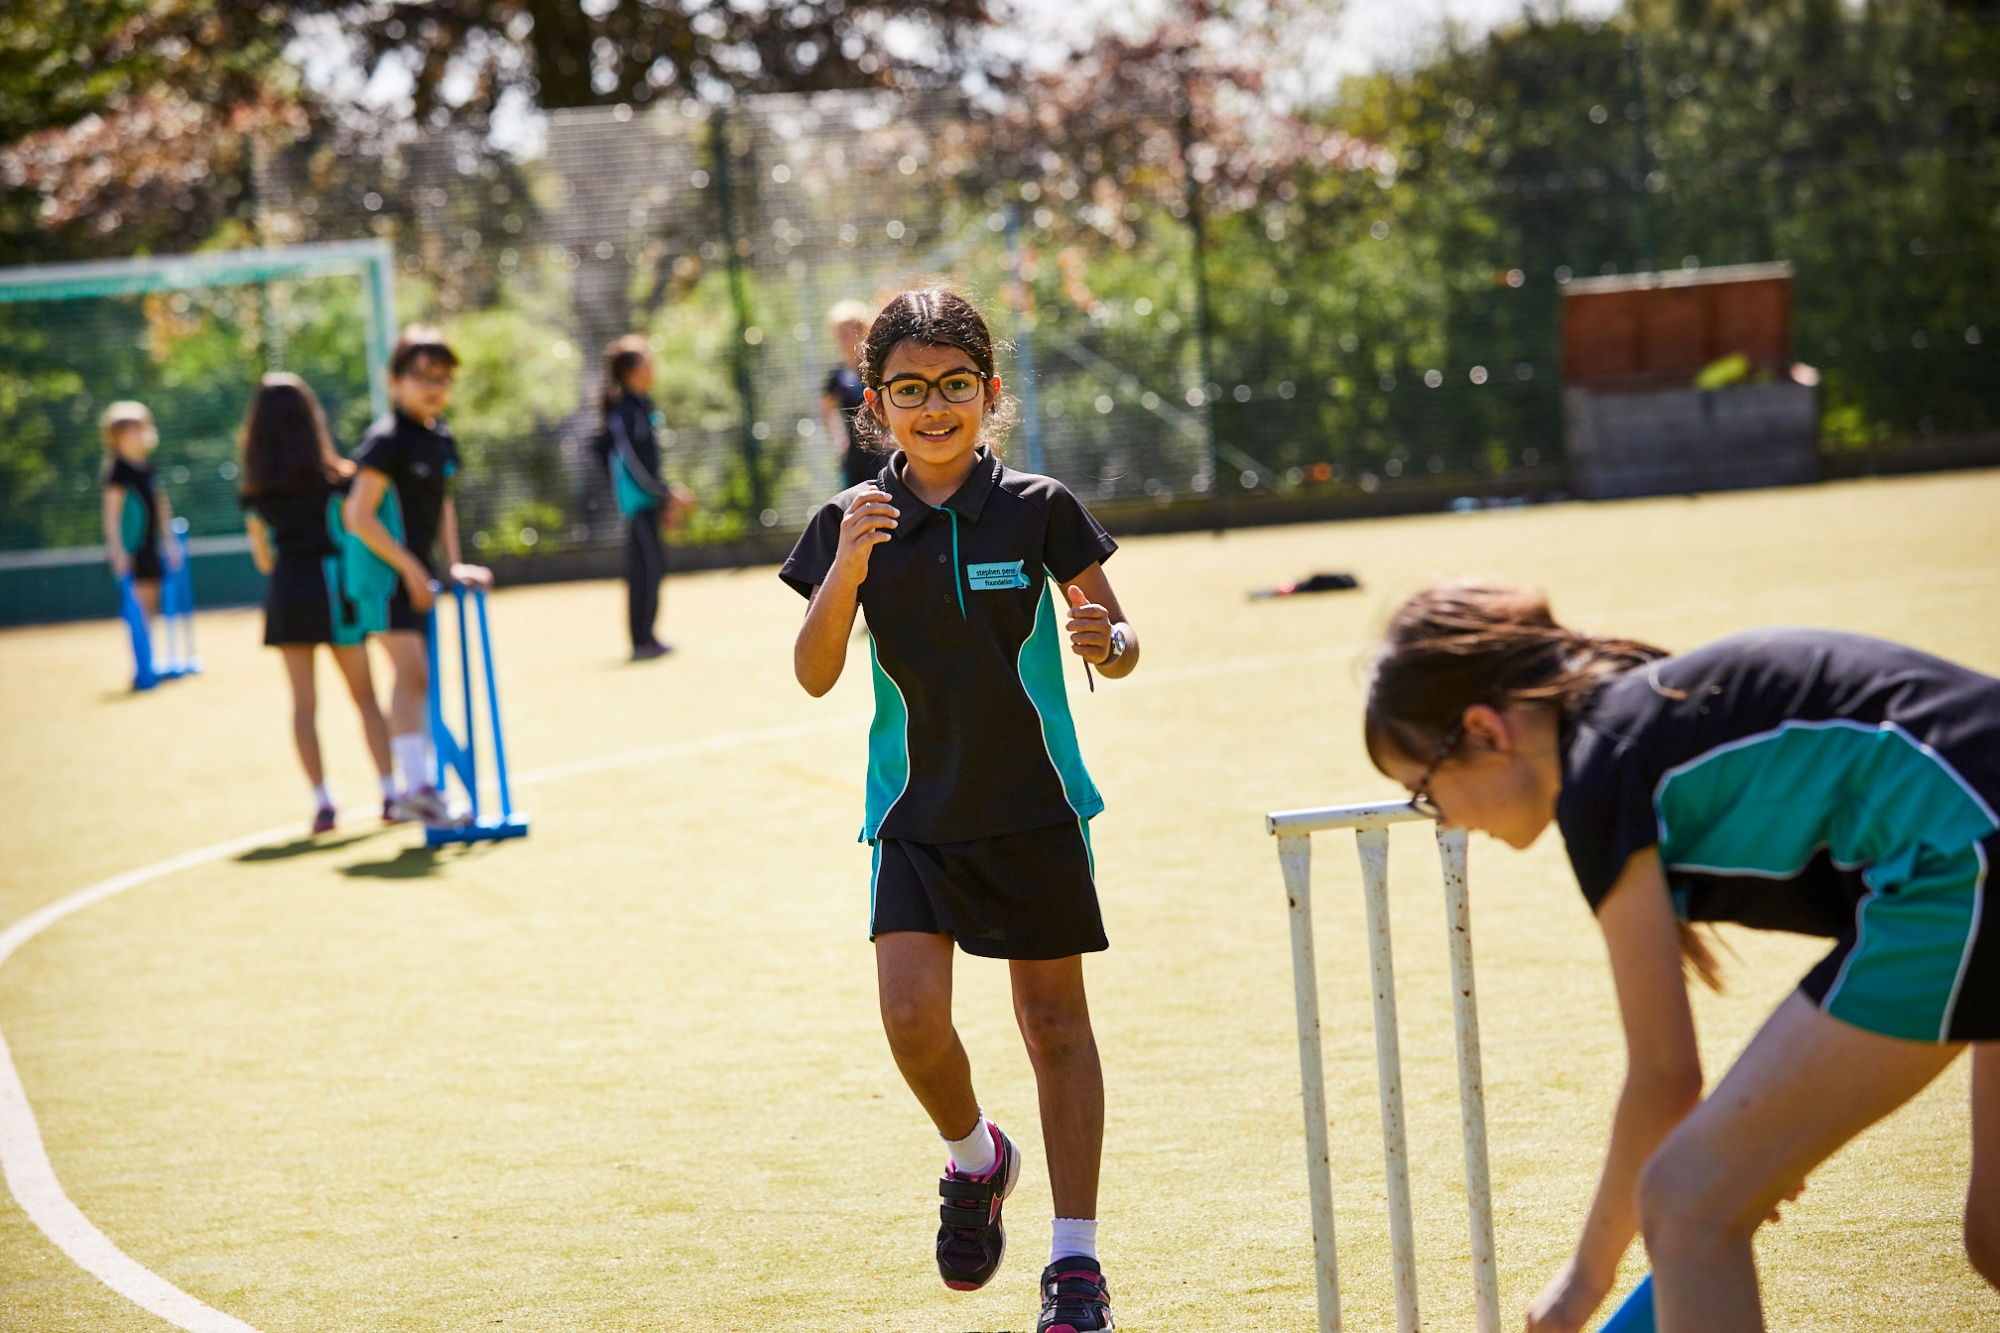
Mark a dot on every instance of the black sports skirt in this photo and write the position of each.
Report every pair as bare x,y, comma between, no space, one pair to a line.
296,605
1028,895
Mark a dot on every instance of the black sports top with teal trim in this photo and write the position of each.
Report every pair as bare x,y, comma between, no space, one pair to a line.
972,736
1786,774
420,462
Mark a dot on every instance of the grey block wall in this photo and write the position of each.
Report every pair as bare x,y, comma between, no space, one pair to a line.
1669,441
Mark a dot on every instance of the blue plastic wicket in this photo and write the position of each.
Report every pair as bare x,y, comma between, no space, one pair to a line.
1636,1314
460,757
177,609
144,677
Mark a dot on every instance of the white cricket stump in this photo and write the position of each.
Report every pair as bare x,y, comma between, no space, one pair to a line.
1294,830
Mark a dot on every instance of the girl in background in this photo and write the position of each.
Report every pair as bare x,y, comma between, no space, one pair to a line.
294,483
136,515
629,449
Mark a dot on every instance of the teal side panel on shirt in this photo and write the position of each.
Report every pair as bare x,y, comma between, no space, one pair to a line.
1873,797
132,522
367,577
888,748
1041,668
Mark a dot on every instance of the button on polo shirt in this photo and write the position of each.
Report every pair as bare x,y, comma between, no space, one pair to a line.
972,736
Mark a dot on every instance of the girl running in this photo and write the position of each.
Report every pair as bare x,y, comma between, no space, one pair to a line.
293,486
978,805
629,450
1784,779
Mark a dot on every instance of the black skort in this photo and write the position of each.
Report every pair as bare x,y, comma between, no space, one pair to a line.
297,605
147,567
402,615
1025,895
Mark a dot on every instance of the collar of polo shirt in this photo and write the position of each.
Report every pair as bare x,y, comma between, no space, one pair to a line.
967,501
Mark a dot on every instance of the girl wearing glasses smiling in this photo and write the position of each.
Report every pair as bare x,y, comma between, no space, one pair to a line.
1784,779
978,803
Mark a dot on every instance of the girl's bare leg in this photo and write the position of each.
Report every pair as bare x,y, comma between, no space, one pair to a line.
353,664
410,692
305,702
913,979
1982,1196
1805,1085
1054,1017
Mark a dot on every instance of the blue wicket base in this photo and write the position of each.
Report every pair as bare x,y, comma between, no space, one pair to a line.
1636,1314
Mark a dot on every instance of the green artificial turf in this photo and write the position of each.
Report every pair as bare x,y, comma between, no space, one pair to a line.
626,1074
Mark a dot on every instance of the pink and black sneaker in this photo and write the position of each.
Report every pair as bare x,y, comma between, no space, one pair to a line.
971,1242
1075,1297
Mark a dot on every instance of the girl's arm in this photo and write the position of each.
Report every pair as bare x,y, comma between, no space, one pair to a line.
1662,1083
260,545
114,531
820,651
473,576
170,549
1093,610
359,514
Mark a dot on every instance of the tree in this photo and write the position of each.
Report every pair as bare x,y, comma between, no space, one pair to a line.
125,125
465,56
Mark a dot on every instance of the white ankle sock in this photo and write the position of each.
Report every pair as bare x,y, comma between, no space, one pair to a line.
390,791
1074,1238
412,771
975,1154
322,797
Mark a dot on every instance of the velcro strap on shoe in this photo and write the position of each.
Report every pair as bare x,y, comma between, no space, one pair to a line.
1078,1286
966,1193
964,1217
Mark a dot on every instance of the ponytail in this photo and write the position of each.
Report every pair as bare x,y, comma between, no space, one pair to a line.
621,357
1458,645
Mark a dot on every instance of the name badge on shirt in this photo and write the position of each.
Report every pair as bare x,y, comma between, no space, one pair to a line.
997,575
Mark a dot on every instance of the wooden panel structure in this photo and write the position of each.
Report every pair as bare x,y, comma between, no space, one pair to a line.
1656,329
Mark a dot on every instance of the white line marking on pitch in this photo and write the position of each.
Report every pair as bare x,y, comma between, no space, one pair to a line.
31,1177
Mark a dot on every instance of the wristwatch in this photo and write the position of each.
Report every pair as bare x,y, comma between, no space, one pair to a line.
1117,645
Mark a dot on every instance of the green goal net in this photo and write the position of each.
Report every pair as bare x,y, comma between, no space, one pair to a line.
189,336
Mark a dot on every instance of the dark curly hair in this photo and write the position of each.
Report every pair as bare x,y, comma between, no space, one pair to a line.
938,318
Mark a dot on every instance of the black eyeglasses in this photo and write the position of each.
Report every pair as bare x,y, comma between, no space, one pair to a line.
1420,796
913,391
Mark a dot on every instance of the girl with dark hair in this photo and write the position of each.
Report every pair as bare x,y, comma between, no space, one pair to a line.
978,804
293,486
629,449
1784,779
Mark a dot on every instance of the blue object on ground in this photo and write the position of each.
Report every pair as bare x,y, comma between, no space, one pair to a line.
134,615
1636,1314
177,609
460,757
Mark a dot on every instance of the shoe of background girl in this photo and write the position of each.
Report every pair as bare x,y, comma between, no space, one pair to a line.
971,1241
323,820
1075,1297
391,815
426,805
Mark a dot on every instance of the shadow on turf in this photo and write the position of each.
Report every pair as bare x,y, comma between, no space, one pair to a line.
410,863
306,846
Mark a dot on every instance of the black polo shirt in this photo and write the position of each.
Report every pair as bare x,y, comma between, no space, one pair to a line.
972,736
139,521
420,462
1782,773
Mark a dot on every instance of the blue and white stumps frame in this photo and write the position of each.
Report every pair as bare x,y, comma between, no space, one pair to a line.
459,756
